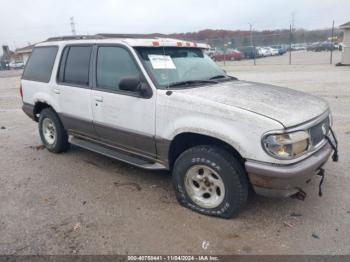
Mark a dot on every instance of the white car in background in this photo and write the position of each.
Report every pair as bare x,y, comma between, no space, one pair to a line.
263,51
272,51
16,65
211,51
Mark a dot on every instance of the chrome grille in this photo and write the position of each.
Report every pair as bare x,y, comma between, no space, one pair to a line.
318,132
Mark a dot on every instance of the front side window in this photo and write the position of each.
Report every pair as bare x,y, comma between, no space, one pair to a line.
172,65
77,65
114,64
40,64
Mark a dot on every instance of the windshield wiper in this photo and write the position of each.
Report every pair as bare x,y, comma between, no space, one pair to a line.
223,77
192,82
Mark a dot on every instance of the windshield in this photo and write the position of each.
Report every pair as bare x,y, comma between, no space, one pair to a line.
171,66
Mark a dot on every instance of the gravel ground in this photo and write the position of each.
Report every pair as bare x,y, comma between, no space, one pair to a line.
83,203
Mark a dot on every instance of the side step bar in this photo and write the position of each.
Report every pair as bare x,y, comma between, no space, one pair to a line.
115,154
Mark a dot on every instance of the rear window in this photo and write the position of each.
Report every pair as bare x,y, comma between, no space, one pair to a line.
40,64
76,69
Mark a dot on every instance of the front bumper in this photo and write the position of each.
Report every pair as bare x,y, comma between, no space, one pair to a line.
285,180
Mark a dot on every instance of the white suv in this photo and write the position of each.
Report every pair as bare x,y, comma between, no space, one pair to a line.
164,104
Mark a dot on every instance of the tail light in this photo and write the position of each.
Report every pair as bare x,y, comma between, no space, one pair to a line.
21,91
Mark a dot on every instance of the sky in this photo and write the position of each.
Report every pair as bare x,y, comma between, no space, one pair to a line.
31,21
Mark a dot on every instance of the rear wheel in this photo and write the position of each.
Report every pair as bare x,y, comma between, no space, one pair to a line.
210,181
52,133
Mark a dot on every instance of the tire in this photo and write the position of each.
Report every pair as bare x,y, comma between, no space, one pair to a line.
52,133
224,203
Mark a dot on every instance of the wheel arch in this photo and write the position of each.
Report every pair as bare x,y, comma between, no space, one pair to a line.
42,100
38,107
186,140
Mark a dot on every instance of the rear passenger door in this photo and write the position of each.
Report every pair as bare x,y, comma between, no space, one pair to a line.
123,119
74,89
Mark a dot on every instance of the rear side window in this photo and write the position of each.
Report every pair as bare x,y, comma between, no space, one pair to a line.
40,64
76,70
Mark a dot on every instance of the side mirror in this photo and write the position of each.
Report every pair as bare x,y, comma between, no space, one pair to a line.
131,84
134,84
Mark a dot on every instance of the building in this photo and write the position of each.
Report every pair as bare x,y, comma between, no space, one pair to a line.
22,54
345,59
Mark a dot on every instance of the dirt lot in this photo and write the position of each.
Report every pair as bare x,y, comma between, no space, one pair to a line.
83,203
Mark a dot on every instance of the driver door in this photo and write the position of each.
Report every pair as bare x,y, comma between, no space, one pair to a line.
122,119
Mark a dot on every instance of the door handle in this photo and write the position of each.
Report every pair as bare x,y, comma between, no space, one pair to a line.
56,91
98,98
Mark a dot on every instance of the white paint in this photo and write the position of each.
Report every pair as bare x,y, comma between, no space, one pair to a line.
132,42
236,112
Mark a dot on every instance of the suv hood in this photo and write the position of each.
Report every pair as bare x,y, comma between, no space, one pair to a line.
287,106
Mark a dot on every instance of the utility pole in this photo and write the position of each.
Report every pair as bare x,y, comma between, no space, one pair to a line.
225,47
251,41
72,25
293,20
331,59
290,44
251,33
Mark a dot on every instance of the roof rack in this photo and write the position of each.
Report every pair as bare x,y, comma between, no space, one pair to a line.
108,35
74,37
104,36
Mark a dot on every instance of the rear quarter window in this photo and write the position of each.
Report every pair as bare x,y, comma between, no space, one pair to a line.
40,64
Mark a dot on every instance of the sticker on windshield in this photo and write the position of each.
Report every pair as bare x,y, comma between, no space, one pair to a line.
161,62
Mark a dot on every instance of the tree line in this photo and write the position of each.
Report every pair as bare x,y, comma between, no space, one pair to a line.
237,38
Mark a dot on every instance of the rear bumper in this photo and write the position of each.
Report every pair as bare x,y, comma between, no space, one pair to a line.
285,180
28,109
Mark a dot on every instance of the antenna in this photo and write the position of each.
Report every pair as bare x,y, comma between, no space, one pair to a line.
72,25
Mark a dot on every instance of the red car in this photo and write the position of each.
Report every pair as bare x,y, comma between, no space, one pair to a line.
230,55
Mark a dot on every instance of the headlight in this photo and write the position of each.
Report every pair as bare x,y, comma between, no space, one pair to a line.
287,145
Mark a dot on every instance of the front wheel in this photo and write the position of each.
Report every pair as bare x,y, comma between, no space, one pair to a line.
210,181
52,133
